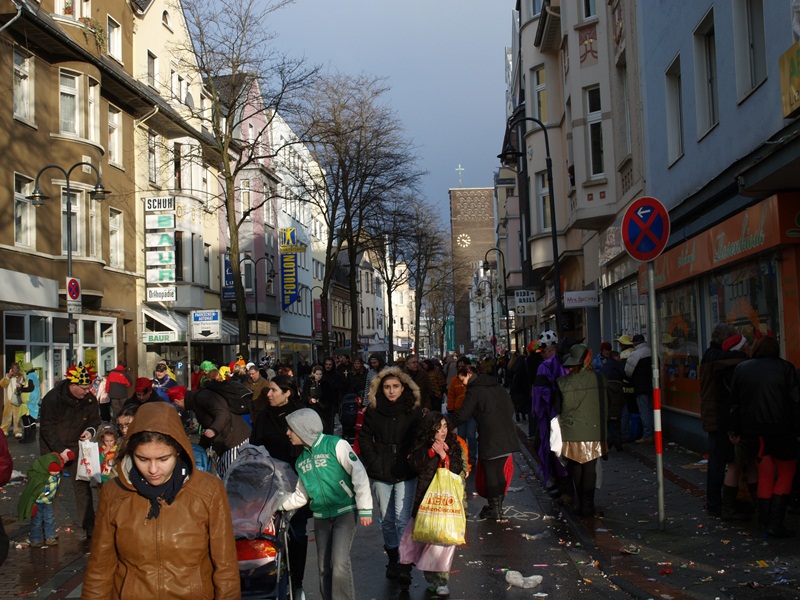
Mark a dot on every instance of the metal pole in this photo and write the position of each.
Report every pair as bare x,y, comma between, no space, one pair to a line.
70,344
505,293
659,440
255,292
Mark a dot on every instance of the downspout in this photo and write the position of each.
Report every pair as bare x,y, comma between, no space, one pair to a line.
15,17
149,115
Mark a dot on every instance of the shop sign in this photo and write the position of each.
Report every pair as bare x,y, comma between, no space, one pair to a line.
159,337
789,67
206,325
582,299
161,203
525,302
158,258
167,293
758,228
160,275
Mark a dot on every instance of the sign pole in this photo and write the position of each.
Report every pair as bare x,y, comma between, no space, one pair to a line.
189,358
659,439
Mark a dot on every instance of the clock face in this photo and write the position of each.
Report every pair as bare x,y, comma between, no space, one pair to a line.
463,240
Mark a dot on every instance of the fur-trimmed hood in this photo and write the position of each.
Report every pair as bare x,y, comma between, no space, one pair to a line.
404,378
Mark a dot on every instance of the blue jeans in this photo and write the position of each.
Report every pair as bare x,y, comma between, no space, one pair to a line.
45,517
394,505
334,538
645,403
469,431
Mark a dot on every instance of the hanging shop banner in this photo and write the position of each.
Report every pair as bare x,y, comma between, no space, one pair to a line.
289,288
289,243
228,291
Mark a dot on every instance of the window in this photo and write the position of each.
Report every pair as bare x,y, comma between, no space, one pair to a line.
534,8
115,238
165,19
207,262
93,228
627,108
74,230
245,193
594,125
152,157
589,9
23,211
543,201
539,82
114,136
674,108
152,69
749,46
94,111
705,69
23,86
69,102
177,166
114,39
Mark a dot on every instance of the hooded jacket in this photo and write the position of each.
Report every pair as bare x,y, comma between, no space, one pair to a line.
389,430
212,412
332,479
188,551
38,476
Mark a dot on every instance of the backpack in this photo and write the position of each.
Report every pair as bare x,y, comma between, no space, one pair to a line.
238,397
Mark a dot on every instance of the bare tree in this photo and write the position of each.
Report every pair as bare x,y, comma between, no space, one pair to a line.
366,161
438,302
247,81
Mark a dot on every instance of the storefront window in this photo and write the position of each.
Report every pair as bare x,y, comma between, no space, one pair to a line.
40,329
60,330
679,347
746,297
89,332
629,310
15,327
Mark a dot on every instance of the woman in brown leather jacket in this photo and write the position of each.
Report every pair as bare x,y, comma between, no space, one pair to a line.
163,529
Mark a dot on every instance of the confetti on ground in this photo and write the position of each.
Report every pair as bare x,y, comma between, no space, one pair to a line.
529,536
630,549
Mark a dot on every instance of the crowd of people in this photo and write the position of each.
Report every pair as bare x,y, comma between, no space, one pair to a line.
162,502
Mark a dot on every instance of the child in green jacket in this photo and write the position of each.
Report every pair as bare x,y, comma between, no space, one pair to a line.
36,500
336,486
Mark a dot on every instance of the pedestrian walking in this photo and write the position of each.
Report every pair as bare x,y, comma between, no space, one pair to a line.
164,527
639,370
335,485
13,385
390,427
118,384
37,498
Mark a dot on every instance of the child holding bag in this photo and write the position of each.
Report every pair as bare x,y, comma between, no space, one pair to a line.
436,446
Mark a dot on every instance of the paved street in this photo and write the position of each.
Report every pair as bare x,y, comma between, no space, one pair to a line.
694,557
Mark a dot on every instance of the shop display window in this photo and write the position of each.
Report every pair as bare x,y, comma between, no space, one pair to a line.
679,347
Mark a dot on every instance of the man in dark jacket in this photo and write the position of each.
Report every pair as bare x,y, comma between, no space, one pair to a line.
69,413
118,385
222,430
423,381
710,364
489,403
638,369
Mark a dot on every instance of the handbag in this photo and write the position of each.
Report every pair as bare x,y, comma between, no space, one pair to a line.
556,444
441,518
88,462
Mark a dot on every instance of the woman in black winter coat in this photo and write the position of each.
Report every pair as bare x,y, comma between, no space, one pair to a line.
386,439
270,431
765,417
490,404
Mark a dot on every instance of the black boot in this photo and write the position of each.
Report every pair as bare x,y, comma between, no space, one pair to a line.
763,506
777,512
28,429
493,510
729,511
404,576
393,567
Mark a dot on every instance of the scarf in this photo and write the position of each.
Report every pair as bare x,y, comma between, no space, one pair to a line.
166,491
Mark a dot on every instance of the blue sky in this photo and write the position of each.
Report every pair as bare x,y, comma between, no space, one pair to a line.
443,60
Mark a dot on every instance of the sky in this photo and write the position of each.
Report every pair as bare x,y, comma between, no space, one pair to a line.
444,63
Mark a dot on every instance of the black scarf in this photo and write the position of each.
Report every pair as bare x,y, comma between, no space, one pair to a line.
166,491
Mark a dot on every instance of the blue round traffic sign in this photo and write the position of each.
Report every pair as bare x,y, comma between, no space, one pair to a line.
645,228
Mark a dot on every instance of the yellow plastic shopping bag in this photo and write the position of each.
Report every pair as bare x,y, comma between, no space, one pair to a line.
441,518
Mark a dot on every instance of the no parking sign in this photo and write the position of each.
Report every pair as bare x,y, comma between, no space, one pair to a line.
645,229
74,304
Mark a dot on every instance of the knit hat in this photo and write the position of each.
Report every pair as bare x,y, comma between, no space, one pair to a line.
605,346
177,392
306,424
207,366
638,339
143,385
735,342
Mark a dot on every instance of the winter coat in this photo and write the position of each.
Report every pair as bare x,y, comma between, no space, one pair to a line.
714,361
187,551
638,368
423,382
765,400
63,418
614,372
269,430
38,475
583,409
212,412
260,401
425,463
118,383
390,429
357,382
489,403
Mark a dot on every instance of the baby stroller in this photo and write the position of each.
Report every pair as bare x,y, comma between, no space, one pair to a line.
254,483
348,413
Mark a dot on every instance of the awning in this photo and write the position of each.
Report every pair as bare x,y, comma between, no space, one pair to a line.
173,328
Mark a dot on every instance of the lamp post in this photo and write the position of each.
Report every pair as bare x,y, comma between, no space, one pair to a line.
505,291
38,198
272,274
491,306
509,157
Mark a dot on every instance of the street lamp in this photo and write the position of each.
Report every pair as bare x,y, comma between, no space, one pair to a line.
505,290
491,306
272,275
509,157
38,198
